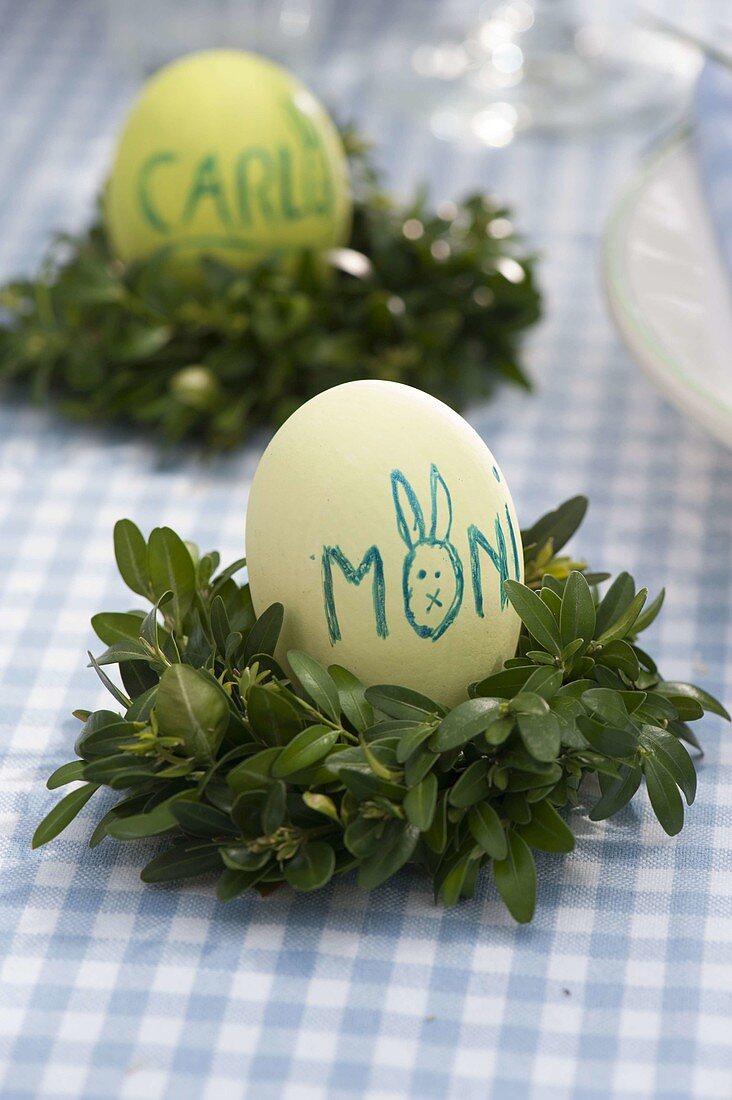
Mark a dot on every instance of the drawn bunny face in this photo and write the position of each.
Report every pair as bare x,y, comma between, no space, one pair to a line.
432,575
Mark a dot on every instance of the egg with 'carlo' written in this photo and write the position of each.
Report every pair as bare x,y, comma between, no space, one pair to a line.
382,522
226,154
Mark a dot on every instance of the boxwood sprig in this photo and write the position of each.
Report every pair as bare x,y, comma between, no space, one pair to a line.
268,777
213,359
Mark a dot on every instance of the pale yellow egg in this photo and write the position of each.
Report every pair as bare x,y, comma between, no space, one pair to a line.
382,522
226,154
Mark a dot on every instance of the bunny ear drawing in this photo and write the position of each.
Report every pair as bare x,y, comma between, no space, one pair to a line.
441,521
410,520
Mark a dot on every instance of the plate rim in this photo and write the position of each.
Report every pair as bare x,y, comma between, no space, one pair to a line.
653,356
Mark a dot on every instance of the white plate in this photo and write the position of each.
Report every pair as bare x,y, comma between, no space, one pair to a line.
668,289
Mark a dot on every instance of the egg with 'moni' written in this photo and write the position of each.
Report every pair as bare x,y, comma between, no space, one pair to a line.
226,154
382,522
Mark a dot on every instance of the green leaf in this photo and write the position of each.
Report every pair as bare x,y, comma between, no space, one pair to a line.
363,836
503,685
420,802
254,772
453,879
141,682
152,633
317,683
624,624
566,710
617,793
664,795
67,773
311,867
633,700
171,568
375,754
389,729
226,574
650,613
272,717
559,525
130,551
644,659
150,823
552,600
206,565
464,722
232,649
220,625
674,758
417,766
200,819
615,601
233,883
487,830
239,607
275,806
619,654
125,808
191,707
437,835
111,687
411,739
541,735
186,860
120,770
366,785
675,690
141,341
322,804
402,703
540,657
607,705
352,697
575,689
515,807
577,618
544,682
113,626
608,739
306,749
547,831
570,651
686,733
62,814
532,780
242,858
515,878
687,709
391,856
527,702
535,615
264,635
472,786
123,651
470,882
499,730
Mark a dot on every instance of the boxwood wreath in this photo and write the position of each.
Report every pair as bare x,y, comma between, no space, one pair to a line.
414,291
267,780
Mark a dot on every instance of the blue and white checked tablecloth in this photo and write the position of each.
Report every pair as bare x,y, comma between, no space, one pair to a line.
622,986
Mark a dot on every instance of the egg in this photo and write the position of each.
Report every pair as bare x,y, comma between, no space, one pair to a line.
383,523
226,154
